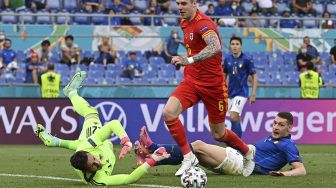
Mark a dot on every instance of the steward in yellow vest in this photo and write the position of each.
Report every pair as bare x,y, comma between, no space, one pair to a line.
50,83
310,82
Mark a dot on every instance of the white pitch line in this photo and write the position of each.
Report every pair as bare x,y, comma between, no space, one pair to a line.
77,180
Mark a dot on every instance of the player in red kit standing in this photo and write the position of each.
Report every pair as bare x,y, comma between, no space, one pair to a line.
203,80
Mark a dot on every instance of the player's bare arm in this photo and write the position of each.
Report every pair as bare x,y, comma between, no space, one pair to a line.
298,170
254,88
213,47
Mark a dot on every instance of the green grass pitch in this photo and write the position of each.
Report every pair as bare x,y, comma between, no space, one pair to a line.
38,160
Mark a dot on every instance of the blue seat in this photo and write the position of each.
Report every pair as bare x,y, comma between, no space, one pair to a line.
122,81
9,18
25,17
309,23
70,5
135,19
61,67
247,7
166,74
95,74
18,80
281,7
150,74
112,73
114,67
179,75
170,19
141,4
63,17
156,60
90,81
108,4
82,67
97,67
159,81
65,80
63,73
54,5
43,18
101,19
319,7
141,81
2,81
168,67
331,8
82,18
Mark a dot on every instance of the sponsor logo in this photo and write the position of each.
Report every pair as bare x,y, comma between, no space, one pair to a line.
111,111
191,36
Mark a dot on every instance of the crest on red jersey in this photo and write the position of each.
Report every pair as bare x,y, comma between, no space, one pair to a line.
191,36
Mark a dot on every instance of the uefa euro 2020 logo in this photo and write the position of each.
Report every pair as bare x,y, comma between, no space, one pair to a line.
109,111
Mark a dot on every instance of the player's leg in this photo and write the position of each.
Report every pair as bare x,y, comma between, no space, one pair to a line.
82,107
182,98
53,141
236,106
215,100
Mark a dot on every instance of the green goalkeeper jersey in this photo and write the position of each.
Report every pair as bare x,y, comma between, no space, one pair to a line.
101,148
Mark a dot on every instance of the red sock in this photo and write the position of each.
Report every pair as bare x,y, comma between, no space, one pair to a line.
177,130
232,140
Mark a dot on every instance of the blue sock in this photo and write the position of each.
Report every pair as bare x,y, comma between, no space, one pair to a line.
176,156
236,128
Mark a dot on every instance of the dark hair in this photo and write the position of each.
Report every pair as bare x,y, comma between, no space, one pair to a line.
7,39
211,5
236,38
286,115
310,65
79,160
50,66
133,53
69,37
45,42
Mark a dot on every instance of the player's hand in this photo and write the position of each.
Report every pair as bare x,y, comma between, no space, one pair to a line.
127,147
180,60
252,99
276,173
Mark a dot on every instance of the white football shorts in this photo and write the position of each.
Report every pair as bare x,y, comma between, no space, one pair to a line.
237,104
232,164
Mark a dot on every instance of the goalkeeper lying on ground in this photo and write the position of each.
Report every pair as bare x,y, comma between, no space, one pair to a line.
94,158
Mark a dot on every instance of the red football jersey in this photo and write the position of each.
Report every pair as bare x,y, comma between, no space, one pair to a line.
208,72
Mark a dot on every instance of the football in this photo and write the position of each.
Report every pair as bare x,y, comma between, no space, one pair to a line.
194,177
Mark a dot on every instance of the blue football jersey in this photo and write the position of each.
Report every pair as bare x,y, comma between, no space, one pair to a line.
238,70
273,154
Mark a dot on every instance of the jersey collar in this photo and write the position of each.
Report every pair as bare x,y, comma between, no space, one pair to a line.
277,139
241,55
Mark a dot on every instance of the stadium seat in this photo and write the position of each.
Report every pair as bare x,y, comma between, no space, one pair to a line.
43,18
150,74
108,4
309,23
319,7
112,74
179,75
25,18
173,6
170,20
114,67
90,81
168,67
9,18
97,67
82,18
122,81
101,19
16,80
141,81
247,8
135,19
63,17
65,80
159,81
282,6
141,4
156,60
54,5
331,8
2,81
70,5
166,74
81,67
262,77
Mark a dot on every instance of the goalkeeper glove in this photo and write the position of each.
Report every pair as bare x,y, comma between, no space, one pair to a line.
127,147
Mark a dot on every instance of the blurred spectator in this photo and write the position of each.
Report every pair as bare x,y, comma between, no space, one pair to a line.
211,12
312,51
327,22
118,7
265,6
115,20
302,58
106,53
34,69
288,23
92,5
164,6
171,45
310,82
253,21
152,10
8,59
132,67
2,40
50,83
228,8
44,52
36,5
128,4
202,6
71,52
333,53
303,7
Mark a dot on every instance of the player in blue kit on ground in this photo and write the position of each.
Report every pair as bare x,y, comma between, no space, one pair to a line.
272,153
238,67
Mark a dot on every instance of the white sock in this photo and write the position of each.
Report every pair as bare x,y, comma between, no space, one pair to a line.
189,155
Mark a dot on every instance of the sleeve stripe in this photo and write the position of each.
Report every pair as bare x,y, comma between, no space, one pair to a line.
96,183
208,33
